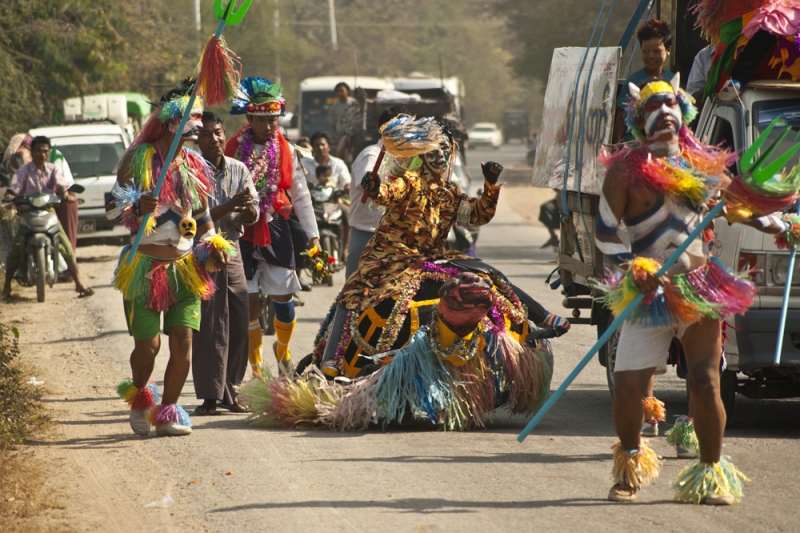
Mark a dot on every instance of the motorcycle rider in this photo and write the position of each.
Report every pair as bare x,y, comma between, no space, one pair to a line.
41,176
327,187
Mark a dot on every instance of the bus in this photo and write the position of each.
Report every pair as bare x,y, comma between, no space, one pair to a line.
317,95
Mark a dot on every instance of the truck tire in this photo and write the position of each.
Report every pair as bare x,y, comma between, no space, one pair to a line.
41,273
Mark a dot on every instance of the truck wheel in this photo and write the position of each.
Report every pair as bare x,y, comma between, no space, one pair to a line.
267,315
41,273
611,358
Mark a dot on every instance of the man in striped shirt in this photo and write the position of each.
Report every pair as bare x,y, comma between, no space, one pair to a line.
219,347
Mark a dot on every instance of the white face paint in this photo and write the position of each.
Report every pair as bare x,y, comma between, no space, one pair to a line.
192,127
652,128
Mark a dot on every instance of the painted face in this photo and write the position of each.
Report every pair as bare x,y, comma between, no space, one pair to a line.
439,160
662,115
192,127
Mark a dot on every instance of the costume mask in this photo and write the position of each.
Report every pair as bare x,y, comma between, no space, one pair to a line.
439,160
653,112
188,227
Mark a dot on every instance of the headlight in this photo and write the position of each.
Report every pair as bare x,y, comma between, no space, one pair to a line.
780,268
40,201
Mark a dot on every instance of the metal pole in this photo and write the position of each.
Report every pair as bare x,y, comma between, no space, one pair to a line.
617,323
332,13
196,9
276,24
785,305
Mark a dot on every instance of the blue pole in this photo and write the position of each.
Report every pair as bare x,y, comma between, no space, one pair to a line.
170,155
617,323
785,306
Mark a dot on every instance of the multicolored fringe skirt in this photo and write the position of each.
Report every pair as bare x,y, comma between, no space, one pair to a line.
146,280
709,291
421,384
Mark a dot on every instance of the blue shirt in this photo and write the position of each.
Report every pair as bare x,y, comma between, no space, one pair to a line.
640,79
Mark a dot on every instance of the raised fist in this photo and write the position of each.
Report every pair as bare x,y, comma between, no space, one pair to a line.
491,171
370,184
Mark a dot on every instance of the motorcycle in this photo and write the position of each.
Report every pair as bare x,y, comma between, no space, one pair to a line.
328,213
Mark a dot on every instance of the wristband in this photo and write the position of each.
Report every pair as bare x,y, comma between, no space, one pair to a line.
211,240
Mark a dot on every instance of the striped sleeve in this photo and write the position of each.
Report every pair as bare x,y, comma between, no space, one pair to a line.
608,241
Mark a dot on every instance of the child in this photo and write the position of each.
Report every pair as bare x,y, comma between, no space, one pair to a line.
324,173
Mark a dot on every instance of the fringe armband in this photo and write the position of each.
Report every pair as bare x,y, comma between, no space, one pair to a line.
127,209
790,237
211,240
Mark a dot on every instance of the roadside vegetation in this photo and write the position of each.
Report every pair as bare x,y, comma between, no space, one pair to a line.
22,417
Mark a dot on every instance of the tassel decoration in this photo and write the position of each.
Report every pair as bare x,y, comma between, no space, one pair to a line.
167,414
699,480
139,399
683,433
654,409
220,72
634,468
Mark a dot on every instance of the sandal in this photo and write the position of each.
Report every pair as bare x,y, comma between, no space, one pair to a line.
85,292
235,407
208,408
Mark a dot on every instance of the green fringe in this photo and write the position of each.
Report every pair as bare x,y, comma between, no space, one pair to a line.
788,184
683,433
258,395
700,480
124,386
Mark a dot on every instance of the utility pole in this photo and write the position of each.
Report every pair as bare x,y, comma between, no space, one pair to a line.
276,24
196,9
332,13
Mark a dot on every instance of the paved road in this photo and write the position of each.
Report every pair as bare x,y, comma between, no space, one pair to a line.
318,481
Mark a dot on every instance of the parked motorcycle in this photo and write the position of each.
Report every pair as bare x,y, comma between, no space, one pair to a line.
39,245
328,213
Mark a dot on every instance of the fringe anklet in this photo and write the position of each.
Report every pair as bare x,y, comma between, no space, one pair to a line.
634,468
699,480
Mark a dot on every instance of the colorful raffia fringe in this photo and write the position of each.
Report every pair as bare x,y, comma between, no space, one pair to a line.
709,291
654,409
219,74
710,16
407,136
746,197
146,280
634,468
139,399
417,385
216,242
699,480
791,237
683,433
167,414
695,176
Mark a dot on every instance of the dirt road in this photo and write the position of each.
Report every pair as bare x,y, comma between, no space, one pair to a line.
230,477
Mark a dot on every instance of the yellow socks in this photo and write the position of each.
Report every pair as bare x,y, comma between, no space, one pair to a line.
254,353
283,331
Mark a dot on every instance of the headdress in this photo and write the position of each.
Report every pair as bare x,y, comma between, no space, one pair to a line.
406,136
172,104
639,97
257,96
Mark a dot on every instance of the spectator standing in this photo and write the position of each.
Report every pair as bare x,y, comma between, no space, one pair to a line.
219,347
655,39
340,117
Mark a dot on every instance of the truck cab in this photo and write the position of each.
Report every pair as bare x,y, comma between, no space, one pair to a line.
751,344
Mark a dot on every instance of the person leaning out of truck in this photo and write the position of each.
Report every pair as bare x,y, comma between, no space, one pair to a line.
655,40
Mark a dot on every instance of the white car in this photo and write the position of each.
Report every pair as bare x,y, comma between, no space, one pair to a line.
485,133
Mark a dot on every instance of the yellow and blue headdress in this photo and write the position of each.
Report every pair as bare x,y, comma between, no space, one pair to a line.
639,98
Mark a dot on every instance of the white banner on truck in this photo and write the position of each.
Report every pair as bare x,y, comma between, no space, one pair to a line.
548,169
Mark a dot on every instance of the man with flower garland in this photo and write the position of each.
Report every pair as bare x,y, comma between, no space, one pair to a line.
267,250
168,273
660,186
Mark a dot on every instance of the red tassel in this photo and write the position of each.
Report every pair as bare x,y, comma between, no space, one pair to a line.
144,400
160,296
219,72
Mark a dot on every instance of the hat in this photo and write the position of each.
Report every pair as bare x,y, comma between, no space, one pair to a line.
260,97
173,103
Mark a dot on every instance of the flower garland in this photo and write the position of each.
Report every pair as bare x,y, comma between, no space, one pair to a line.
344,341
264,168
461,349
508,303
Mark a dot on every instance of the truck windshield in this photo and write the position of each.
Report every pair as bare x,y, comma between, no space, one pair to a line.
89,160
789,110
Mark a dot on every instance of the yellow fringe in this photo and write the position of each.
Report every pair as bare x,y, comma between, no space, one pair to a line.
125,274
637,470
150,227
188,271
654,409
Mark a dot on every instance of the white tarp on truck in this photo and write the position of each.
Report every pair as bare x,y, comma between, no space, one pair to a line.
551,152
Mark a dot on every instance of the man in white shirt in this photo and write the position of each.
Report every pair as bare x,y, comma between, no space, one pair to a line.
699,73
340,176
364,217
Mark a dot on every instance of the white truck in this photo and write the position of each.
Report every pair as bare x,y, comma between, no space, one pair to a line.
92,138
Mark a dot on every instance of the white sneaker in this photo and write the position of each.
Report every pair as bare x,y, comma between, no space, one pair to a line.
139,423
650,428
685,452
173,429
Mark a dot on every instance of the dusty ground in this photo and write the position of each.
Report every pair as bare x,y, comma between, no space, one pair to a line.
229,477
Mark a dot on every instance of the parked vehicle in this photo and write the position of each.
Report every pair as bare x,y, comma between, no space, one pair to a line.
328,213
485,133
516,125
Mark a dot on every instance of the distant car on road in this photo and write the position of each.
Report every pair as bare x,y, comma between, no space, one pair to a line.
485,133
516,125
